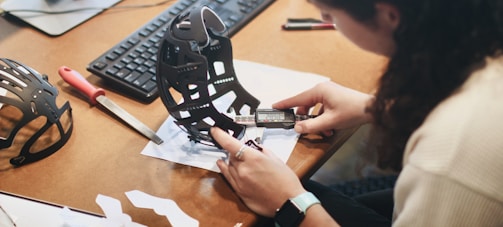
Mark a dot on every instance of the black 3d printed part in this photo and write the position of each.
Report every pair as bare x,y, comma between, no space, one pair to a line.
192,46
34,97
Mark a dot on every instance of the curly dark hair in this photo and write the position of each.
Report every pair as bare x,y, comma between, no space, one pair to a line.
439,44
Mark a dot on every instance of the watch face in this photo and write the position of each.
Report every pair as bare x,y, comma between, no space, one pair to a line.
289,215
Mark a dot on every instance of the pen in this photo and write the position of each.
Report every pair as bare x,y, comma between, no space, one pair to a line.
307,26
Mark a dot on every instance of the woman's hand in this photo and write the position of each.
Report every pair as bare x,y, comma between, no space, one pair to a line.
341,108
260,178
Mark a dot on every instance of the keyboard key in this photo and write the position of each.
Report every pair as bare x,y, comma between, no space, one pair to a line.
149,63
158,23
235,17
139,61
133,55
131,77
126,60
185,3
175,11
126,45
99,65
132,66
146,55
133,41
112,56
119,65
149,86
112,71
152,71
142,69
122,73
151,28
119,51
142,79
140,49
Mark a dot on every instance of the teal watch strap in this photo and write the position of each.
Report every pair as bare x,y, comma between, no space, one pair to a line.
294,210
305,200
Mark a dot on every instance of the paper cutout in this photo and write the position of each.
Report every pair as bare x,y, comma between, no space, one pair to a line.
113,212
166,207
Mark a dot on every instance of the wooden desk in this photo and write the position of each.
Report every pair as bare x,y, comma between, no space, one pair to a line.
103,156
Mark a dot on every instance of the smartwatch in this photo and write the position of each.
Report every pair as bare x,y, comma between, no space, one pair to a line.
294,210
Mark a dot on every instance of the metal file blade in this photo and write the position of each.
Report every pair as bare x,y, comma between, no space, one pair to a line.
97,95
128,118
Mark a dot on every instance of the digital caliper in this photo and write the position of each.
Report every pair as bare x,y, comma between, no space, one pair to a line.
272,118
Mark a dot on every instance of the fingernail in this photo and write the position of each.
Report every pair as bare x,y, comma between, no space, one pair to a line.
298,128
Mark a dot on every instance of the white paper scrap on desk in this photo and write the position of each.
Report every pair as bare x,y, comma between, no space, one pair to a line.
113,211
268,84
161,206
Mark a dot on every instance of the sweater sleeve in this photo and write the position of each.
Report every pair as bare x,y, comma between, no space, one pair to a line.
426,199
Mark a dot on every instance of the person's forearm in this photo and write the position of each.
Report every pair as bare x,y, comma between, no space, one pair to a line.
317,216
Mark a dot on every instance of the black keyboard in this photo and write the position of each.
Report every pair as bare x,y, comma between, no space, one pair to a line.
130,66
357,187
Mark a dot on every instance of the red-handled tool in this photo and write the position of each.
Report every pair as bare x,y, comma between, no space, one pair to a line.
97,95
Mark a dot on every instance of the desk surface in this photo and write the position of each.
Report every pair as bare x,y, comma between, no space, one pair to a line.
103,156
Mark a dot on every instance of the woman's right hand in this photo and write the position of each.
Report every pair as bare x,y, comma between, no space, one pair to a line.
341,107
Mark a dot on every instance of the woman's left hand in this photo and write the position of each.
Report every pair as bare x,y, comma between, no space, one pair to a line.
260,178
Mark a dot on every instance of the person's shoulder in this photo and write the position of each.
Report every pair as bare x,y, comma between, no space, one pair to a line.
476,105
462,138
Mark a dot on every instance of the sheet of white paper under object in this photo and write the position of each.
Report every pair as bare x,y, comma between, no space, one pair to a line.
113,212
267,83
71,219
161,206
26,212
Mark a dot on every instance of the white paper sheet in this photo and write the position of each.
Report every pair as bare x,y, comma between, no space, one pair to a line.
268,84
27,213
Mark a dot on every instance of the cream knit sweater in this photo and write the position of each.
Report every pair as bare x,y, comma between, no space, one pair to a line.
453,163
